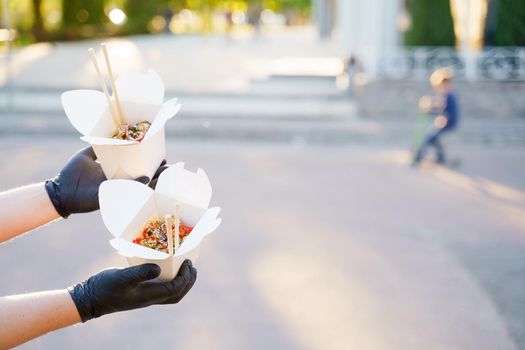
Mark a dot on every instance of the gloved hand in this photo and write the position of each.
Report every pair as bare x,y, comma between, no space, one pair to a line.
75,188
115,289
159,171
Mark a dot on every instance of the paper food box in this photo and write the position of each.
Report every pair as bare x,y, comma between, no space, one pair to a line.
141,99
127,206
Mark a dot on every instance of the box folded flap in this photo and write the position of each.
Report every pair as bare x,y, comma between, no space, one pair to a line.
189,214
167,111
207,224
185,186
141,87
212,220
120,203
84,108
96,140
130,249
135,111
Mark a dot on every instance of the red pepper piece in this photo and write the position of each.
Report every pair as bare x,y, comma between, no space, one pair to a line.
184,230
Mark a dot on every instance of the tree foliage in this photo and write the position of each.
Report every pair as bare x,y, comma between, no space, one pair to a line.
37,20
508,26
140,13
82,18
287,4
431,23
37,29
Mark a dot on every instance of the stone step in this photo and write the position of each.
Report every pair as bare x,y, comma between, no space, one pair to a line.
274,86
212,105
310,131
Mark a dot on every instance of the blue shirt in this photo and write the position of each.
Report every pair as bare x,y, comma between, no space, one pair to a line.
451,111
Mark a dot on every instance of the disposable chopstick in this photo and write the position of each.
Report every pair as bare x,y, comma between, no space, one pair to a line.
177,225
93,57
169,233
112,81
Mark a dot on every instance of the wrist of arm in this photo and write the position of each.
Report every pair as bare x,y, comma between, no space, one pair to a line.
24,209
25,317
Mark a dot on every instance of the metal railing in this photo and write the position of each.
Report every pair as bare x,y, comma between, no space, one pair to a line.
494,63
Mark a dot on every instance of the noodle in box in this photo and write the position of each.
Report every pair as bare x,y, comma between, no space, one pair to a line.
125,129
176,212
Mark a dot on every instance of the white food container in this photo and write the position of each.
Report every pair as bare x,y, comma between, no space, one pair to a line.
127,205
141,98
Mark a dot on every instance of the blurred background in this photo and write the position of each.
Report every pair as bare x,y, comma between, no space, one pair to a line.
304,115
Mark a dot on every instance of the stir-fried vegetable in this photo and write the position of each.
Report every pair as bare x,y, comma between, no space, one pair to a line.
132,132
154,235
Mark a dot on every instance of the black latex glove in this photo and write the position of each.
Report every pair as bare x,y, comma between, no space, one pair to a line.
75,188
159,171
120,289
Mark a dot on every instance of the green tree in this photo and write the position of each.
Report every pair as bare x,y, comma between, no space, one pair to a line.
37,29
431,23
82,18
140,13
508,28
294,4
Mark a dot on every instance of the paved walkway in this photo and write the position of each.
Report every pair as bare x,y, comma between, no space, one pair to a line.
185,63
320,248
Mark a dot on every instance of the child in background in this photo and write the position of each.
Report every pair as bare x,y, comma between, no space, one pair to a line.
445,107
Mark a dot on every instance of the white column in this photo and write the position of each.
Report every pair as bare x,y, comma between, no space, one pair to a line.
368,30
323,15
347,25
469,17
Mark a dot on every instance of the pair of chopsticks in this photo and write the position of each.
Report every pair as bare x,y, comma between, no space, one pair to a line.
168,220
114,108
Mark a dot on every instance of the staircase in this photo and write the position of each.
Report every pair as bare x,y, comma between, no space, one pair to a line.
280,108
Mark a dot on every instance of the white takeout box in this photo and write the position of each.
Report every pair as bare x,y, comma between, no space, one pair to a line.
127,205
141,98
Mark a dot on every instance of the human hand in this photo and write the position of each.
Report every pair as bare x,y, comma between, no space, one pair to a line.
440,122
119,289
425,104
75,188
160,169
